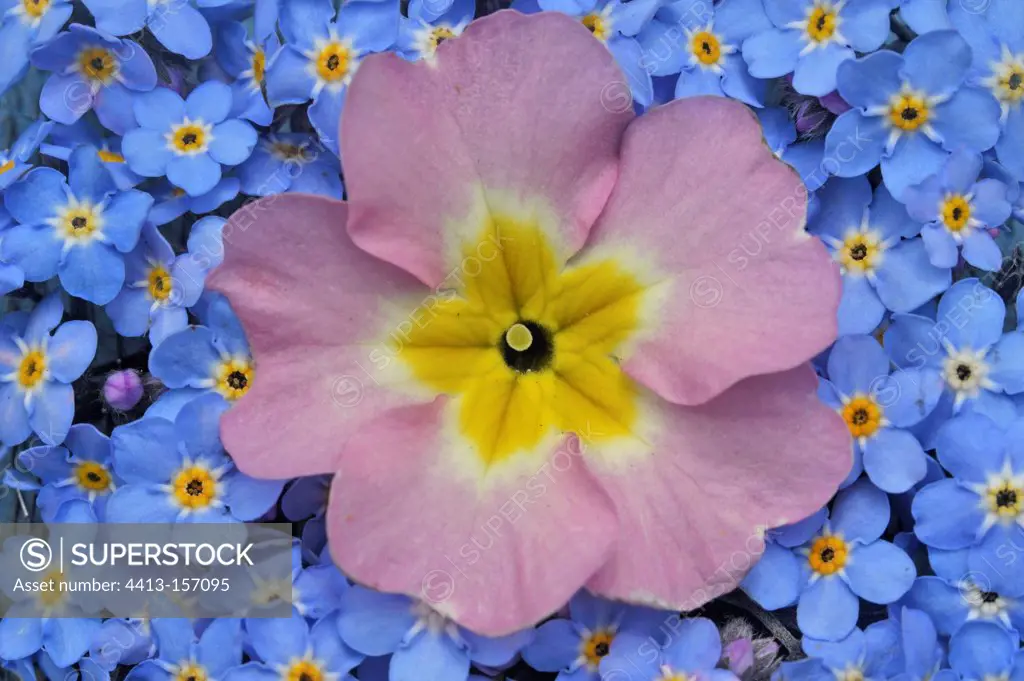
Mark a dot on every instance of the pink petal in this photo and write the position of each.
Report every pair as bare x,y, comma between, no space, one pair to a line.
519,114
713,217
311,304
692,510
497,552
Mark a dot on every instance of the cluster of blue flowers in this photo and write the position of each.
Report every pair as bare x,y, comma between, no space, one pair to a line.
905,118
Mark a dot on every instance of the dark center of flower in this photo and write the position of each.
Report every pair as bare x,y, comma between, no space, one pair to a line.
601,649
963,372
827,554
188,139
96,64
194,488
332,62
237,380
859,252
958,213
989,597
706,47
1006,498
860,417
31,367
820,25
79,222
93,476
535,356
1015,81
909,114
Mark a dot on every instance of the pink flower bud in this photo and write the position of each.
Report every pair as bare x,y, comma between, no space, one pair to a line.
123,389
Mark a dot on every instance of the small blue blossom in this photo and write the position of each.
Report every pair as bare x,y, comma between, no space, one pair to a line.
172,202
966,350
93,71
959,209
126,641
865,654
178,472
24,24
842,560
187,140
177,25
909,111
245,61
692,650
322,53
421,642
876,408
575,646
291,648
159,287
39,359
14,162
811,38
181,654
80,469
702,44
872,238
421,32
921,654
214,358
981,508
64,139
983,651
291,162
78,229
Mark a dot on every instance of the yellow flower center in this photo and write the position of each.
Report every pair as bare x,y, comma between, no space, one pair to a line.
194,487
110,156
92,476
597,646
598,25
1005,499
79,222
190,671
333,62
190,138
304,670
55,593
863,416
32,369
828,554
956,212
233,378
160,283
821,23
1007,79
441,33
706,47
527,350
97,64
259,65
35,8
860,252
908,111
6,165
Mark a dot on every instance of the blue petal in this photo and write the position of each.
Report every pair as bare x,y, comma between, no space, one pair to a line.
146,451
970,120
914,158
325,115
739,19
14,426
253,671
906,279
827,609
995,559
129,312
1012,141
327,643
981,250
630,17
925,16
629,56
554,647
87,176
431,656
774,581
815,73
497,651
856,364
52,411
838,655
304,20
35,250
1007,362
940,245
277,640
866,24
739,84
974,313
181,29
159,110
249,498
844,203
20,637
889,216
65,97
982,650
773,53
855,143
860,512
782,12
695,646
220,646
36,197
136,68
371,26
910,395
288,81
937,63
113,107
880,572
146,152
94,272
124,215
15,45
118,17
140,504
374,623
860,310
946,515
991,204
894,460
233,142
210,102
662,42
66,640
870,81
944,604
697,83
71,350
195,174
